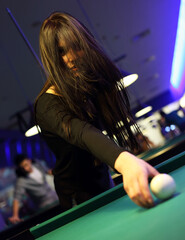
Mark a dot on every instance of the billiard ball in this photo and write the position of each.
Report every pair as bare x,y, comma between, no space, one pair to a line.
163,186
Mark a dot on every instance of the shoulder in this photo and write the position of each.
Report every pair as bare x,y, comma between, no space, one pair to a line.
47,101
45,98
47,109
51,90
21,181
38,164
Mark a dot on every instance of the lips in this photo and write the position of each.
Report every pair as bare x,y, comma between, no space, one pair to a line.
74,68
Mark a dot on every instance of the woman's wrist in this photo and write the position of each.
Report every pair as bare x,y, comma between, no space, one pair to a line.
121,161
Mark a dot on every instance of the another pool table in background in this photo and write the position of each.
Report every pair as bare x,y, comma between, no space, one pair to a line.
169,149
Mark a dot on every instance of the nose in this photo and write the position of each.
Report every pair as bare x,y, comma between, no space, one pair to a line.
70,62
69,58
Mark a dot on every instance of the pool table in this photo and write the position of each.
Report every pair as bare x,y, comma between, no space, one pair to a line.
112,215
169,149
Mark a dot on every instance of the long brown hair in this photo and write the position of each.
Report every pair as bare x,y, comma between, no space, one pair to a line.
92,93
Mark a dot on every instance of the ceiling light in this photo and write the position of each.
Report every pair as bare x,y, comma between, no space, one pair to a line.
182,102
143,110
32,131
128,79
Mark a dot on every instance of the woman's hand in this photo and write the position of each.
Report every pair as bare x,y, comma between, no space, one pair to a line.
135,178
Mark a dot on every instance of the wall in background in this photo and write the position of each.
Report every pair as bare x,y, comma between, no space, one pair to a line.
13,143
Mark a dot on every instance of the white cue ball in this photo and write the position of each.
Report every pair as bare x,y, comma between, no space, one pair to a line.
163,186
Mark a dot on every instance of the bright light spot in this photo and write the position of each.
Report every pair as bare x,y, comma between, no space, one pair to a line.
172,127
167,129
179,51
128,80
32,131
143,111
182,102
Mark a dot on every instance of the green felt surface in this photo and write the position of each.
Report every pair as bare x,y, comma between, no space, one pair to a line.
122,219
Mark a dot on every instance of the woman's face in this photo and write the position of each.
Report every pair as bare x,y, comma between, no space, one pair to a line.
70,57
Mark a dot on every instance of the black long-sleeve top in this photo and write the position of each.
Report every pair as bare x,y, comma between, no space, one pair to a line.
75,154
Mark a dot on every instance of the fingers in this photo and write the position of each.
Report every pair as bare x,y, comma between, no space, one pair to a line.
144,188
139,193
145,195
152,172
138,188
135,194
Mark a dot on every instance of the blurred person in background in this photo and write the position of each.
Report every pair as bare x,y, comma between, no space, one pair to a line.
145,143
31,182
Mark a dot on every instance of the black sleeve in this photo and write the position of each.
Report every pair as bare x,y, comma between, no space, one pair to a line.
84,135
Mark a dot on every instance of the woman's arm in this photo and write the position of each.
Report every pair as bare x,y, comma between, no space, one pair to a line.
52,120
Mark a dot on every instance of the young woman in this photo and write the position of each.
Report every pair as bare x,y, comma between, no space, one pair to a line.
79,100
